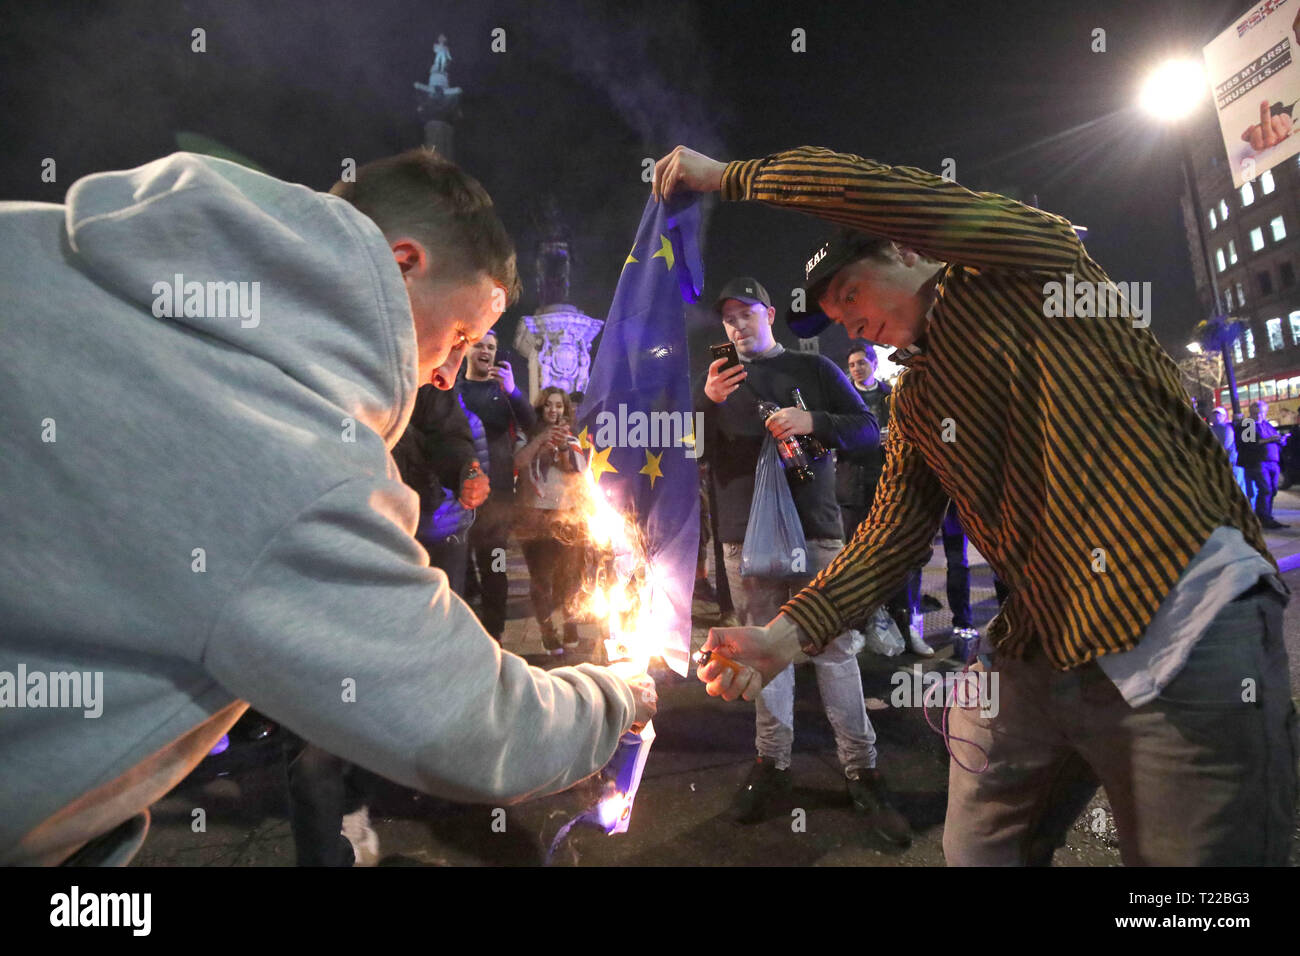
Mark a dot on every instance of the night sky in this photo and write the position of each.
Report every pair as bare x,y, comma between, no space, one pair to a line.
585,91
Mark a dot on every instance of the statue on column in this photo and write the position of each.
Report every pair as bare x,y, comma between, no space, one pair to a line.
440,100
553,258
441,57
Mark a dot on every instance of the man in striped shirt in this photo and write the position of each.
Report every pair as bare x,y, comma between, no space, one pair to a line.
1141,645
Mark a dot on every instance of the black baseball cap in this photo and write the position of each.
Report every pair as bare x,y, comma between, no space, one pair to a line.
844,247
744,289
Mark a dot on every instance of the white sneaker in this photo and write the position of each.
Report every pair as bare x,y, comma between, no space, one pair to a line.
915,642
364,840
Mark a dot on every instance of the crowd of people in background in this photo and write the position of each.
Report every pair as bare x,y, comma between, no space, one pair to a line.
491,469
1255,448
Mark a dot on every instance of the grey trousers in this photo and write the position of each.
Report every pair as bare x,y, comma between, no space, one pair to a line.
1204,775
839,681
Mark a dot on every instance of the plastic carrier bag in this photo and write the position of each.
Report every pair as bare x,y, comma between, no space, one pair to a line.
883,636
774,542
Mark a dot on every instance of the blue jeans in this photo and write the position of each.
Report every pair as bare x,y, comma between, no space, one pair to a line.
1204,775
838,678
1263,480
1240,474
954,550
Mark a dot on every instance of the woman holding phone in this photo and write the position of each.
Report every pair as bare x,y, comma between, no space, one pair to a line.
550,465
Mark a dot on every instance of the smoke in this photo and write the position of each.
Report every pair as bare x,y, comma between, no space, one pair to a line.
654,69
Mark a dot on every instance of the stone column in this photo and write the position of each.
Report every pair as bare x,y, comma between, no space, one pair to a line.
442,137
557,343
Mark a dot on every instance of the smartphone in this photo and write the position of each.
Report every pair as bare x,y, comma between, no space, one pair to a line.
727,352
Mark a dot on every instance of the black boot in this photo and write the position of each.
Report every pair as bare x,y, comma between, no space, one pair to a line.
870,797
550,640
756,794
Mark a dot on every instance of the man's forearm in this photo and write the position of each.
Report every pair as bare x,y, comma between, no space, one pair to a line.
789,636
958,225
848,432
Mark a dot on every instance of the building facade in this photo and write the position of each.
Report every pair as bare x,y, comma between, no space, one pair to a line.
1253,238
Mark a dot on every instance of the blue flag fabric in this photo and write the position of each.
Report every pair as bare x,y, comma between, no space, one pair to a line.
637,413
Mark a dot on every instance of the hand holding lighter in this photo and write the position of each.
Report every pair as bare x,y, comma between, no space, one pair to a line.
703,657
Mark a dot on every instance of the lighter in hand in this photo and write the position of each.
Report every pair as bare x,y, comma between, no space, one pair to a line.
703,657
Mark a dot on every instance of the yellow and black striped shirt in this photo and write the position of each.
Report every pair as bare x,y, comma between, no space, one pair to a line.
1078,467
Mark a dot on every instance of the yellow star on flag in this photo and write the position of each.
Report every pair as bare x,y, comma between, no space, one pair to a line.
583,440
630,258
665,251
652,467
600,463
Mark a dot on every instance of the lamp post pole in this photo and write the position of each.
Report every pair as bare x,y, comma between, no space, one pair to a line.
1195,194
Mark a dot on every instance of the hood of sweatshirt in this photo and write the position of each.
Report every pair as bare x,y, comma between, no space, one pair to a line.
298,278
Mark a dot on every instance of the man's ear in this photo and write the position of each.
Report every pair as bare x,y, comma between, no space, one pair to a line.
412,258
771,314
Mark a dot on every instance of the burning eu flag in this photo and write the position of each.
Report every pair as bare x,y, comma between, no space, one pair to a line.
636,419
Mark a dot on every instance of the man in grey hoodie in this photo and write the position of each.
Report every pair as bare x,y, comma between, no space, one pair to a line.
205,369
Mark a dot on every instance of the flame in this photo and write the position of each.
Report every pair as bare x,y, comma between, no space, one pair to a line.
627,589
612,809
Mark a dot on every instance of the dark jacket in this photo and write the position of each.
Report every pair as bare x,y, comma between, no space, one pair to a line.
504,417
432,455
856,472
479,433
734,431
1266,447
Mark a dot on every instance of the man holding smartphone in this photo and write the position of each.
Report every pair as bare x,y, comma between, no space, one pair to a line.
729,397
490,393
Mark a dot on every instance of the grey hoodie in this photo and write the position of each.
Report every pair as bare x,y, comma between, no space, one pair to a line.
201,509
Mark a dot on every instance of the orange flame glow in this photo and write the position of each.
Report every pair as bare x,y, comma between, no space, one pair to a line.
627,590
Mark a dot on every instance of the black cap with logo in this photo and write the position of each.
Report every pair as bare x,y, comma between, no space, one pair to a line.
846,246
744,289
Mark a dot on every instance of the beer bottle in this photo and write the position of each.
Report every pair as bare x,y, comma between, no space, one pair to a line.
812,447
793,458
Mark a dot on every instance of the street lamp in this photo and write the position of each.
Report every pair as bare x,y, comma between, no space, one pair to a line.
1171,92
